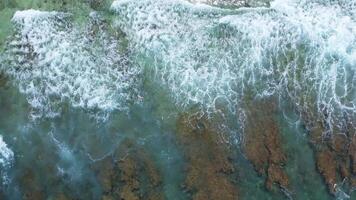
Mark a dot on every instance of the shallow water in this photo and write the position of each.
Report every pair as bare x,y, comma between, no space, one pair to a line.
86,82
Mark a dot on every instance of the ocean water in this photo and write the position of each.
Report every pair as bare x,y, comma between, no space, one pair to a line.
79,78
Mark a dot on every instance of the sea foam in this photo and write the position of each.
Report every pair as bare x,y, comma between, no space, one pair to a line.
54,61
6,160
300,50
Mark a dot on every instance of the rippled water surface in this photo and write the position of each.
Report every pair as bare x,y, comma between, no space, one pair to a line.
175,99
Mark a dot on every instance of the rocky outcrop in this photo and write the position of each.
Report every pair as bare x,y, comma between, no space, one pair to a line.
335,156
209,165
262,142
130,175
334,146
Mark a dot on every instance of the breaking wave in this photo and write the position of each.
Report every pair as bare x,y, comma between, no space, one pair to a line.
296,49
212,57
53,61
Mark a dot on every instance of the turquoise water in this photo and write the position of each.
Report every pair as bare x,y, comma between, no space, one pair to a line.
78,79
73,142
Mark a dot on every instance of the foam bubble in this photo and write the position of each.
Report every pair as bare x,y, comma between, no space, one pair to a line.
178,43
301,49
6,155
233,3
6,160
53,61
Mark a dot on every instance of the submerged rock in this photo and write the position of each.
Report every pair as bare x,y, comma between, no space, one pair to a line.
3,80
334,145
209,164
130,175
31,187
263,144
335,157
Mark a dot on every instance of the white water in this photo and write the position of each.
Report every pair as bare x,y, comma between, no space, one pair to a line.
203,55
301,49
6,161
53,62
234,3
206,56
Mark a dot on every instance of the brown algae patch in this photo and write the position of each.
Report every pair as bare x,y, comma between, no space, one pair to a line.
335,157
263,143
130,175
209,164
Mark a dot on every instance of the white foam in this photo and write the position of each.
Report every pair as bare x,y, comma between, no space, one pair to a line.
6,160
233,3
70,164
6,155
30,15
220,2
54,61
305,49
161,28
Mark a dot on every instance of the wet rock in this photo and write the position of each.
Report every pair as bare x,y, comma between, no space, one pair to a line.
325,157
2,194
352,153
61,196
96,4
353,181
3,80
326,164
335,153
106,173
209,165
130,175
263,144
31,188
